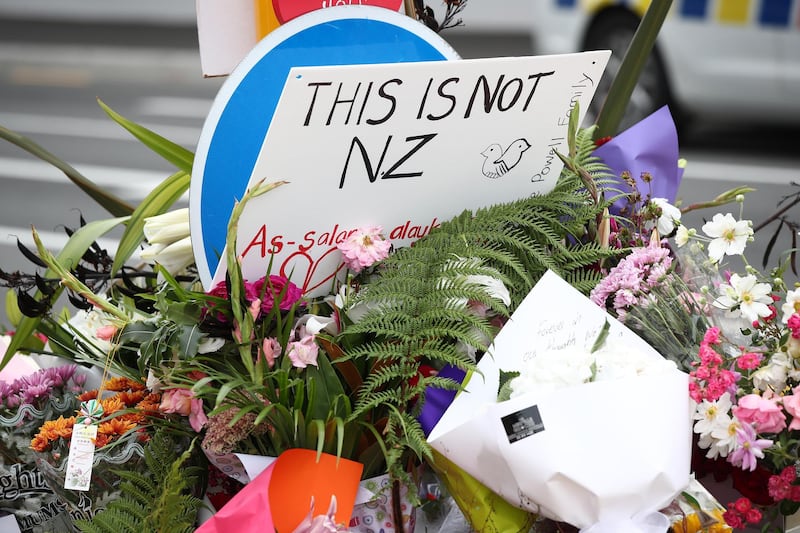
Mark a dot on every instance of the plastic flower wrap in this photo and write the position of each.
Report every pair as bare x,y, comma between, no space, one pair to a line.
531,449
25,403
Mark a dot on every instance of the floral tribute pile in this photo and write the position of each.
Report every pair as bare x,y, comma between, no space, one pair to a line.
218,410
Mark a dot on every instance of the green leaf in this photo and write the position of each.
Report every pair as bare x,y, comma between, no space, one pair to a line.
12,309
622,86
175,154
156,203
73,250
111,203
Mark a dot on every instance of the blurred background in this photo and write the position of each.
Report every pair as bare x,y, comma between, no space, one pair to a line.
141,58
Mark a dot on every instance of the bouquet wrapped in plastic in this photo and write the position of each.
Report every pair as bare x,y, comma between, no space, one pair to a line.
600,439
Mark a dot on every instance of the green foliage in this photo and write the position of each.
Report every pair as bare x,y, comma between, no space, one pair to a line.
418,312
159,498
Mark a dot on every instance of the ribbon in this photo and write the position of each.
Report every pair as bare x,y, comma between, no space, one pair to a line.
90,412
641,523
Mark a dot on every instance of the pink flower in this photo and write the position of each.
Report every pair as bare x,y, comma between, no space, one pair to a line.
197,416
181,401
749,360
794,325
176,401
303,352
749,448
780,486
270,289
106,333
711,336
271,349
791,402
763,413
364,247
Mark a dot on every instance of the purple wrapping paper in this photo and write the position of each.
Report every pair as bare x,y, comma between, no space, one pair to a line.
438,400
650,145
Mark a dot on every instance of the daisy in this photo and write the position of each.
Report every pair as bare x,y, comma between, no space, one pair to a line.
749,448
751,298
791,305
728,235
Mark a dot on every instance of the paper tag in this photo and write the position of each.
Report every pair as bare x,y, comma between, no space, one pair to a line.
81,455
522,424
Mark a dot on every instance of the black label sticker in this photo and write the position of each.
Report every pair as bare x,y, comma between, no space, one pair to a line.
523,423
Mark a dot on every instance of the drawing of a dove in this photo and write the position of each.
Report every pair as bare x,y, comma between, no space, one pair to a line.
499,161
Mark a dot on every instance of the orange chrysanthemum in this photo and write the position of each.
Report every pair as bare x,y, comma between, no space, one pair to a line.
52,430
116,426
88,395
122,384
111,405
131,398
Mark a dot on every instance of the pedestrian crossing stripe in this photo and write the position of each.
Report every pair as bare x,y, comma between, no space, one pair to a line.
770,13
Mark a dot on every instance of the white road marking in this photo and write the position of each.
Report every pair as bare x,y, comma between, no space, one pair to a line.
127,182
167,106
90,128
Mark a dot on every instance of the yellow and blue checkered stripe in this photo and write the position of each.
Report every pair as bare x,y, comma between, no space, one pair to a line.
773,13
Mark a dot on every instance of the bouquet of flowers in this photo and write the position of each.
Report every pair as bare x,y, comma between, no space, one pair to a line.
25,403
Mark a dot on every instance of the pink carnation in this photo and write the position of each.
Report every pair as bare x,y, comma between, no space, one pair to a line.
303,352
364,247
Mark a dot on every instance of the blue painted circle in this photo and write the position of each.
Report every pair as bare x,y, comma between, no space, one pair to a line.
237,124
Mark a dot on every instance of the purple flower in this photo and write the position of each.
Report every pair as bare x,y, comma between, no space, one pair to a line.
748,448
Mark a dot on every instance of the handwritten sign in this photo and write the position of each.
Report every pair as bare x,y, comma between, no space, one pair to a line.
404,146
242,112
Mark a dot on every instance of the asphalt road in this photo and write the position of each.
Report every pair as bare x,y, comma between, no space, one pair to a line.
51,74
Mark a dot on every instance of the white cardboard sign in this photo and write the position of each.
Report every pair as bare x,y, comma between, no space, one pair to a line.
405,146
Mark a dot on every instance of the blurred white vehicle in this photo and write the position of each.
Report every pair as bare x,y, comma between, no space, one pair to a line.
723,58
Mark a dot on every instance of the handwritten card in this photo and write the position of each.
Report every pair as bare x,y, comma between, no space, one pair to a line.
81,455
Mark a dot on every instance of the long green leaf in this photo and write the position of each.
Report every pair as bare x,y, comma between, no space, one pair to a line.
175,154
114,205
631,67
156,203
70,255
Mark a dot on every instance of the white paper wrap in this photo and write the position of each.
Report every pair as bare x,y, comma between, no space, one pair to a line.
601,456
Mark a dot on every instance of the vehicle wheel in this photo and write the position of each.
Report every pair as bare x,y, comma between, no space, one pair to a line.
613,31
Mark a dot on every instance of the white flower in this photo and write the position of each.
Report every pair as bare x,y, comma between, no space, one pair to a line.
729,236
722,439
792,305
210,344
168,227
682,235
712,415
751,298
772,376
170,241
554,369
669,218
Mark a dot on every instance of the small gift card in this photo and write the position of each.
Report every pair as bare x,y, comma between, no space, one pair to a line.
81,455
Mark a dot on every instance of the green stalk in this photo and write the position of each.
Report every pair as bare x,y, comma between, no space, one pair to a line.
619,94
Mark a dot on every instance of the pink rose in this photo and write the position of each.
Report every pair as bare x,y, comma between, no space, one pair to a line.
177,401
197,416
763,413
792,405
303,352
271,288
